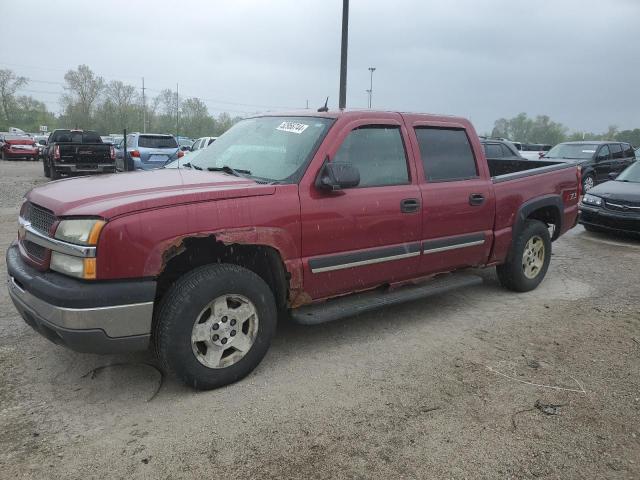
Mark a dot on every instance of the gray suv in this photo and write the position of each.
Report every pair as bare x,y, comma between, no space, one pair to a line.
147,151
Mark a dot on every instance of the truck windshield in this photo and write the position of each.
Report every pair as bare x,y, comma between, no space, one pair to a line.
581,151
269,148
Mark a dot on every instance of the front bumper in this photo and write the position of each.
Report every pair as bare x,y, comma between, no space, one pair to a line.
86,168
95,317
608,220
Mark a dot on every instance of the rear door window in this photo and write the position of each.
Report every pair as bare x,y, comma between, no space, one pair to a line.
616,151
377,151
156,141
446,154
628,150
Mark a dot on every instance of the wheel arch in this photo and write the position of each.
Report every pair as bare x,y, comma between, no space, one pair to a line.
246,249
547,209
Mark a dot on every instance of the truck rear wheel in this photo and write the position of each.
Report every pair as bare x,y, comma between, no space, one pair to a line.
528,259
214,325
47,169
55,175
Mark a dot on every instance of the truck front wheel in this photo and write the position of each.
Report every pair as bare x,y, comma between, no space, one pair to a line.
214,325
528,259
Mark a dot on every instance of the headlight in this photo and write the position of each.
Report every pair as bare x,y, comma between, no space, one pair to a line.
74,266
589,199
81,232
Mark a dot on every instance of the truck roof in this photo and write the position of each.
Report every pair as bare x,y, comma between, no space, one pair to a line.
356,114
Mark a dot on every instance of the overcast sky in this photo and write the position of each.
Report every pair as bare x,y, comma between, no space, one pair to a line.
575,60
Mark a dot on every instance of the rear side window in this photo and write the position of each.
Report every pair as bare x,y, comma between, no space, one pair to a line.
446,154
616,150
156,141
628,150
378,153
492,150
506,152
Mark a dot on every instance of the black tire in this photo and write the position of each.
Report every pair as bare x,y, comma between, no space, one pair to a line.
55,175
46,168
512,273
585,180
4,156
183,303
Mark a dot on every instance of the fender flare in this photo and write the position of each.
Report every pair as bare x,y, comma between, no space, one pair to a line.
530,206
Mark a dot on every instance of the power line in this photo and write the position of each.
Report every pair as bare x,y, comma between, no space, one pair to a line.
213,100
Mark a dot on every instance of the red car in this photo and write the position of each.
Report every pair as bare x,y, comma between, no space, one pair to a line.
309,215
14,148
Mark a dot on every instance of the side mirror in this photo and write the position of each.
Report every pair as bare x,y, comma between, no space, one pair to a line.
613,175
337,175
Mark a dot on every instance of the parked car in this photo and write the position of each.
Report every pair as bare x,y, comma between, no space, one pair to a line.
185,143
318,214
499,148
41,143
614,205
18,147
596,159
533,151
147,151
202,142
77,151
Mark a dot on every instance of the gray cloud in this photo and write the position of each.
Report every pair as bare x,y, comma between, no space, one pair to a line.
576,61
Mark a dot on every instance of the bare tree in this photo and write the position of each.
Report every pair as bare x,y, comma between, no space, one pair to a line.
83,87
124,99
9,83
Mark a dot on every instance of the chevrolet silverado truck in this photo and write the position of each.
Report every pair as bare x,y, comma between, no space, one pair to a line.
308,216
77,151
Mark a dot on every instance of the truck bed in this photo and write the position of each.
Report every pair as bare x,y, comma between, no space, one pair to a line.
502,170
85,153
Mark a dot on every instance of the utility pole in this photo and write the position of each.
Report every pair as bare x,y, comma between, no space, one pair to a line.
371,70
177,112
342,103
144,110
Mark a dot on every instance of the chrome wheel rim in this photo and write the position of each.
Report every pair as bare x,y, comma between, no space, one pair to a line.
224,331
588,184
533,257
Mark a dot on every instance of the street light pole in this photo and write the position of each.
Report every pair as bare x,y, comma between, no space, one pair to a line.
342,103
371,69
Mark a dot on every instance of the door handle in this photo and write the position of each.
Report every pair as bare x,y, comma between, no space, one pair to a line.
409,205
476,199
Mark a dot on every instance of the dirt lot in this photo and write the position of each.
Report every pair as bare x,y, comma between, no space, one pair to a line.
439,388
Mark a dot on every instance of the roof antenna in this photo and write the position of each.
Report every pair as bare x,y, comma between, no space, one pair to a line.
324,108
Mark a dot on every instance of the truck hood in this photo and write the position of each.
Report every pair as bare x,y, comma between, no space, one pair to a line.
108,196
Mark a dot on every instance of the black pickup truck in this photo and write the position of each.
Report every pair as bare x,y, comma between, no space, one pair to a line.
77,151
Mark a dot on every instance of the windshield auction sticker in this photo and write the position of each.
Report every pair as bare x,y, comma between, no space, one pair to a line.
292,127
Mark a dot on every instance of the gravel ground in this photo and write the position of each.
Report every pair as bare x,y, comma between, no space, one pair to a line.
440,388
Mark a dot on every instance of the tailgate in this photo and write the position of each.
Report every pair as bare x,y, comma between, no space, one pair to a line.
85,153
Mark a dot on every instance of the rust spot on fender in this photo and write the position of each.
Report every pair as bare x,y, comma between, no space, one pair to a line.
299,298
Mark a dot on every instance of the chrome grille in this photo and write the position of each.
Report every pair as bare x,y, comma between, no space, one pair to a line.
622,206
40,219
34,250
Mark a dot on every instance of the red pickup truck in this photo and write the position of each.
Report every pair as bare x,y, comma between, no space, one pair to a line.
312,215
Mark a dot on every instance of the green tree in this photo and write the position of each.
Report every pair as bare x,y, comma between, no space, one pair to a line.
195,120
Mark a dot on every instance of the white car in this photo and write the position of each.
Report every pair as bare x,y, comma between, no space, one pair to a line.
532,151
202,142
